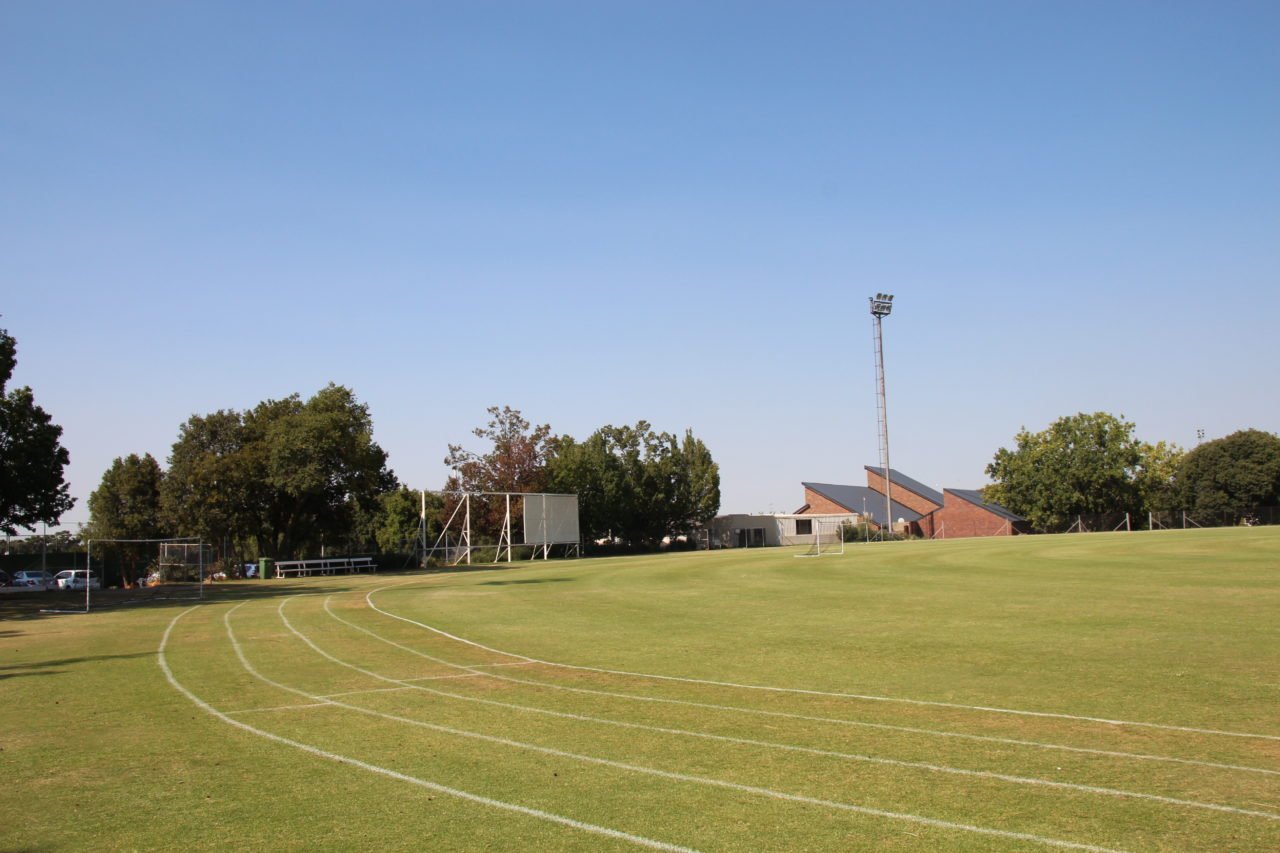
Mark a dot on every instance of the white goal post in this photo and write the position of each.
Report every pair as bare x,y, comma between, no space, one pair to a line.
828,538
190,550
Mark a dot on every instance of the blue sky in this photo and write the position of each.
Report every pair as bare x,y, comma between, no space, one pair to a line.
599,212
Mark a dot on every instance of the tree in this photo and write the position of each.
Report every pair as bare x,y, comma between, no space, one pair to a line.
1083,463
324,467
1232,475
1157,476
126,505
395,525
636,485
515,462
289,477
699,489
32,458
212,489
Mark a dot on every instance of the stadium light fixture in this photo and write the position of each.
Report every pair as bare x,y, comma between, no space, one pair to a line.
881,304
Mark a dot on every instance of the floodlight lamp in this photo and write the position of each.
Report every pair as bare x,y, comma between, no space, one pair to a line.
881,304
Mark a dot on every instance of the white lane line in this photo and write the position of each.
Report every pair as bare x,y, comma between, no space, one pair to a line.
828,694
665,774
392,774
442,677
1135,756
366,690
826,753
296,707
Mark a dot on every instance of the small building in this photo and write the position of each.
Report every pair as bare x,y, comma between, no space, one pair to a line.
756,530
917,509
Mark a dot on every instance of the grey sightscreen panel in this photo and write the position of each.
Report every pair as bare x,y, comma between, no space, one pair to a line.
551,519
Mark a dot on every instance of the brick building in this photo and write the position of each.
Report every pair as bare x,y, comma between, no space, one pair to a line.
917,509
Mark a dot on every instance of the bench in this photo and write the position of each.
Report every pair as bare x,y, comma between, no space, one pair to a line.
325,566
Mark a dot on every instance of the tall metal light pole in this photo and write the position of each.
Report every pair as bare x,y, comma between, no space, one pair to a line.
881,305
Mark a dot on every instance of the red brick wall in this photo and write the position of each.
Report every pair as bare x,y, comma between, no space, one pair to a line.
902,495
818,505
959,518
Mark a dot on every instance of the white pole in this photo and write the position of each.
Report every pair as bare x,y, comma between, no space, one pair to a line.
88,565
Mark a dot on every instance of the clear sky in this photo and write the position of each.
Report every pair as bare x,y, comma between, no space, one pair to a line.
597,212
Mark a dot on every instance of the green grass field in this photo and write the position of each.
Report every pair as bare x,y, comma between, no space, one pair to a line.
1089,692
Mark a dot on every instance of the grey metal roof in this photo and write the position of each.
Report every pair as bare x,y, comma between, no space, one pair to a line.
897,478
974,496
852,497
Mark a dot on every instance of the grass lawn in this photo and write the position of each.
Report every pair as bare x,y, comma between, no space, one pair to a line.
1088,692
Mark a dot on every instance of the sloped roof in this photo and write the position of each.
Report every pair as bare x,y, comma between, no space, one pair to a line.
897,478
854,498
974,496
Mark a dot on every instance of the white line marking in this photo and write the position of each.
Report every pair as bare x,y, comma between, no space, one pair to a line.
279,708
383,771
1137,756
367,690
846,756
513,663
829,694
664,774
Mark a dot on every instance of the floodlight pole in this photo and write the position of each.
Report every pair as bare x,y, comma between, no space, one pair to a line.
881,305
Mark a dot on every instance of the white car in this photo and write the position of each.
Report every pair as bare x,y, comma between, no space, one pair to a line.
77,579
34,579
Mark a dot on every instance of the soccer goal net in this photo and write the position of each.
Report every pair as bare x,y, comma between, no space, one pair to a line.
827,538
161,568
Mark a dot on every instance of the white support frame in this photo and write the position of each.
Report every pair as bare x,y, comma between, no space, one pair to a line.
462,551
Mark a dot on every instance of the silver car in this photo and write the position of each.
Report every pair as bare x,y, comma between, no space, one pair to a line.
34,579
77,579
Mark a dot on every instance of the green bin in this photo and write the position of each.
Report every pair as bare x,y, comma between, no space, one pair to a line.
264,567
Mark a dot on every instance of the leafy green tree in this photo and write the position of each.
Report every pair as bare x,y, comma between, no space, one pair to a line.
32,458
1157,476
126,505
1232,475
290,477
394,527
324,467
213,489
637,485
1081,464
699,490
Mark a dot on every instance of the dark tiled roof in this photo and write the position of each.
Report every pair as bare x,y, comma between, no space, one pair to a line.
897,478
852,497
974,496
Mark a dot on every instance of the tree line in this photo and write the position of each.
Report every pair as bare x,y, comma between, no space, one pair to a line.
1093,464
296,478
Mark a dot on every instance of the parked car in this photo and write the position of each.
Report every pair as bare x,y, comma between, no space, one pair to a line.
34,578
77,579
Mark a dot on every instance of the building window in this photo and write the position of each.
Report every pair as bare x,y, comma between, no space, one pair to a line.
804,527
